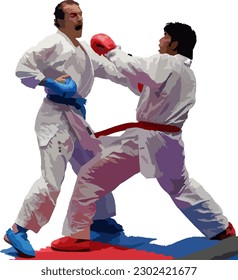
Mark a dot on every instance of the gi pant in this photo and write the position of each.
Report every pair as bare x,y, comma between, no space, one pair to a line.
40,202
116,164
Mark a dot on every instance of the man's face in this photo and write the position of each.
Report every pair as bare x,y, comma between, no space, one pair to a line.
164,44
73,20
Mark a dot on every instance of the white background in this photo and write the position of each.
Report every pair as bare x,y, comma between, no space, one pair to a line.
209,133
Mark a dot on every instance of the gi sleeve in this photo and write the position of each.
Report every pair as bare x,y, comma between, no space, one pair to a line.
104,68
33,62
150,71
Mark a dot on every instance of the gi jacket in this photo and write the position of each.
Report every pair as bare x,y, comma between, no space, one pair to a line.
167,96
56,56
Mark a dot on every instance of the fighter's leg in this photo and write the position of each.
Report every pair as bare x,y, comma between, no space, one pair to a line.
40,201
98,177
187,194
105,207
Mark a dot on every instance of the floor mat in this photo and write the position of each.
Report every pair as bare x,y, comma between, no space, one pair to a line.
122,247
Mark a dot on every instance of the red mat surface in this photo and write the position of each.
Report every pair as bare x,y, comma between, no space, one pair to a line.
99,251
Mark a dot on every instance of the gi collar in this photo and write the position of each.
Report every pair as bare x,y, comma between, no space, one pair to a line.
185,60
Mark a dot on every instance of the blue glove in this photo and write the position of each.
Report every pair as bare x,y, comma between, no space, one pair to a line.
68,89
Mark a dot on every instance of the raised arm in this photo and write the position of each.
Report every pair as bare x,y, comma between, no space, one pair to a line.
137,69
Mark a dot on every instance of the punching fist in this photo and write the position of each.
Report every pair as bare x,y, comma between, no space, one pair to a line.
68,89
102,44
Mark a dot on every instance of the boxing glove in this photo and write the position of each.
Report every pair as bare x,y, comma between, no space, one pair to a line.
68,89
102,44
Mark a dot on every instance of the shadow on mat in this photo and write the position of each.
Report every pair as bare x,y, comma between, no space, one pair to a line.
193,248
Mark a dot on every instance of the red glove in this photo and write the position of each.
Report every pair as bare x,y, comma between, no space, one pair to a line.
102,44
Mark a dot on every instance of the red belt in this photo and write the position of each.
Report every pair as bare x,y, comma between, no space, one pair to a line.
144,125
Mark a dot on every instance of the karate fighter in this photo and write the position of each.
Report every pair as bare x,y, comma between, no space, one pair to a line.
62,132
154,146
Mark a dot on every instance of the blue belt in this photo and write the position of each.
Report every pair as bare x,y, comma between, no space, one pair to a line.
78,102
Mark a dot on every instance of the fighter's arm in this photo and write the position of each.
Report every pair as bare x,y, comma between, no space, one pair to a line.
137,69
32,64
30,70
105,69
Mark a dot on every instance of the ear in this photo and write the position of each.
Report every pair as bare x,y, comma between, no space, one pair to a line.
59,22
174,45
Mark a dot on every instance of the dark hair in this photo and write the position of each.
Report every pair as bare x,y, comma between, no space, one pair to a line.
59,13
184,35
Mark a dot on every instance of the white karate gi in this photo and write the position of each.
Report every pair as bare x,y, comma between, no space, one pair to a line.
61,130
167,97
